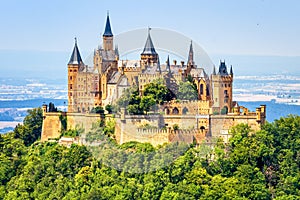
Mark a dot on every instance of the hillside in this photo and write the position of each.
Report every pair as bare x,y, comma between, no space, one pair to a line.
263,165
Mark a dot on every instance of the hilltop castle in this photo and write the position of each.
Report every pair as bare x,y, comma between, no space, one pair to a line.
211,114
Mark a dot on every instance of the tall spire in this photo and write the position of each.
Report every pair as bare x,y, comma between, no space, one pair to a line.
75,57
107,31
191,54
158,69
231,70
149,47
214,71
117,50
168,65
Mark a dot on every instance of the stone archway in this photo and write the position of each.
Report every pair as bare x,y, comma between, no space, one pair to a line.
185,110
175,111
167,111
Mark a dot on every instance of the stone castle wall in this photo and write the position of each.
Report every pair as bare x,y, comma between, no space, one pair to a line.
52,125
159,129
221,124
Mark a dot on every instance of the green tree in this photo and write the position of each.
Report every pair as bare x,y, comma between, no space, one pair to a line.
187,91
31,129
158,90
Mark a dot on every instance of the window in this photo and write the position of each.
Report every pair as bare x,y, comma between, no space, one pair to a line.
225,92
70,77
201,89
71,86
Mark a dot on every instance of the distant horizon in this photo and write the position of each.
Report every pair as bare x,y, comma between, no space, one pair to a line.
53,64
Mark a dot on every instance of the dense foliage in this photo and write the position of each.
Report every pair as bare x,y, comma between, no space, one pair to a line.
154,93
261,165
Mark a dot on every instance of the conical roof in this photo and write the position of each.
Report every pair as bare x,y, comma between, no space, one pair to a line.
75,57
107,31
149,47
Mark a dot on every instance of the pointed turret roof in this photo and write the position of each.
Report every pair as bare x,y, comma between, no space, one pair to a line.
191,54
116,50
168,65
158,69
214,71
107,31
223,69
231,70
75,57
149,47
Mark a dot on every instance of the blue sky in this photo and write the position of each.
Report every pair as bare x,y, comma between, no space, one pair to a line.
221,27
259,27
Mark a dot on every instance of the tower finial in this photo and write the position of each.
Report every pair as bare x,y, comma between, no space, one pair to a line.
75,38
107,12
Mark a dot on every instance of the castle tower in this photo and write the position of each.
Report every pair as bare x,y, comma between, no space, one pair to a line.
74,66
107,36
149,54
222,89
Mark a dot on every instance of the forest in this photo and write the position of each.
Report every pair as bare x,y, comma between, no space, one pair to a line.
260,165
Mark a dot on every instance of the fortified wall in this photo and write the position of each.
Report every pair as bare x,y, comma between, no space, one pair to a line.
53,122
158,129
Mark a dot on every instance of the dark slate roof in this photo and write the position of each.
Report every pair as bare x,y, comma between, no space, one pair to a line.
149,47
114,77
199,73
107,31
75,57
124,81
222,69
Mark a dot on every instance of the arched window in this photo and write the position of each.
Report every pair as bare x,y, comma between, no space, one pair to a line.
201,89
224,110
167,111
175,111
207,90
185,110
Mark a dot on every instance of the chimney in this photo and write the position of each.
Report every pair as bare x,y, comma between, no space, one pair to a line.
182,63
175,62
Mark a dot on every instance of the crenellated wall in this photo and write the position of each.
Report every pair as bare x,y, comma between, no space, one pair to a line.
160,128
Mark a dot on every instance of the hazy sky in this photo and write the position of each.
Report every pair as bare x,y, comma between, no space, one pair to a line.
247,27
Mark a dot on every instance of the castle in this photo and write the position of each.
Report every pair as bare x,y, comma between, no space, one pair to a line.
211,114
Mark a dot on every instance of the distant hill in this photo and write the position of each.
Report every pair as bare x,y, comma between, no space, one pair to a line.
31,103
50,65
